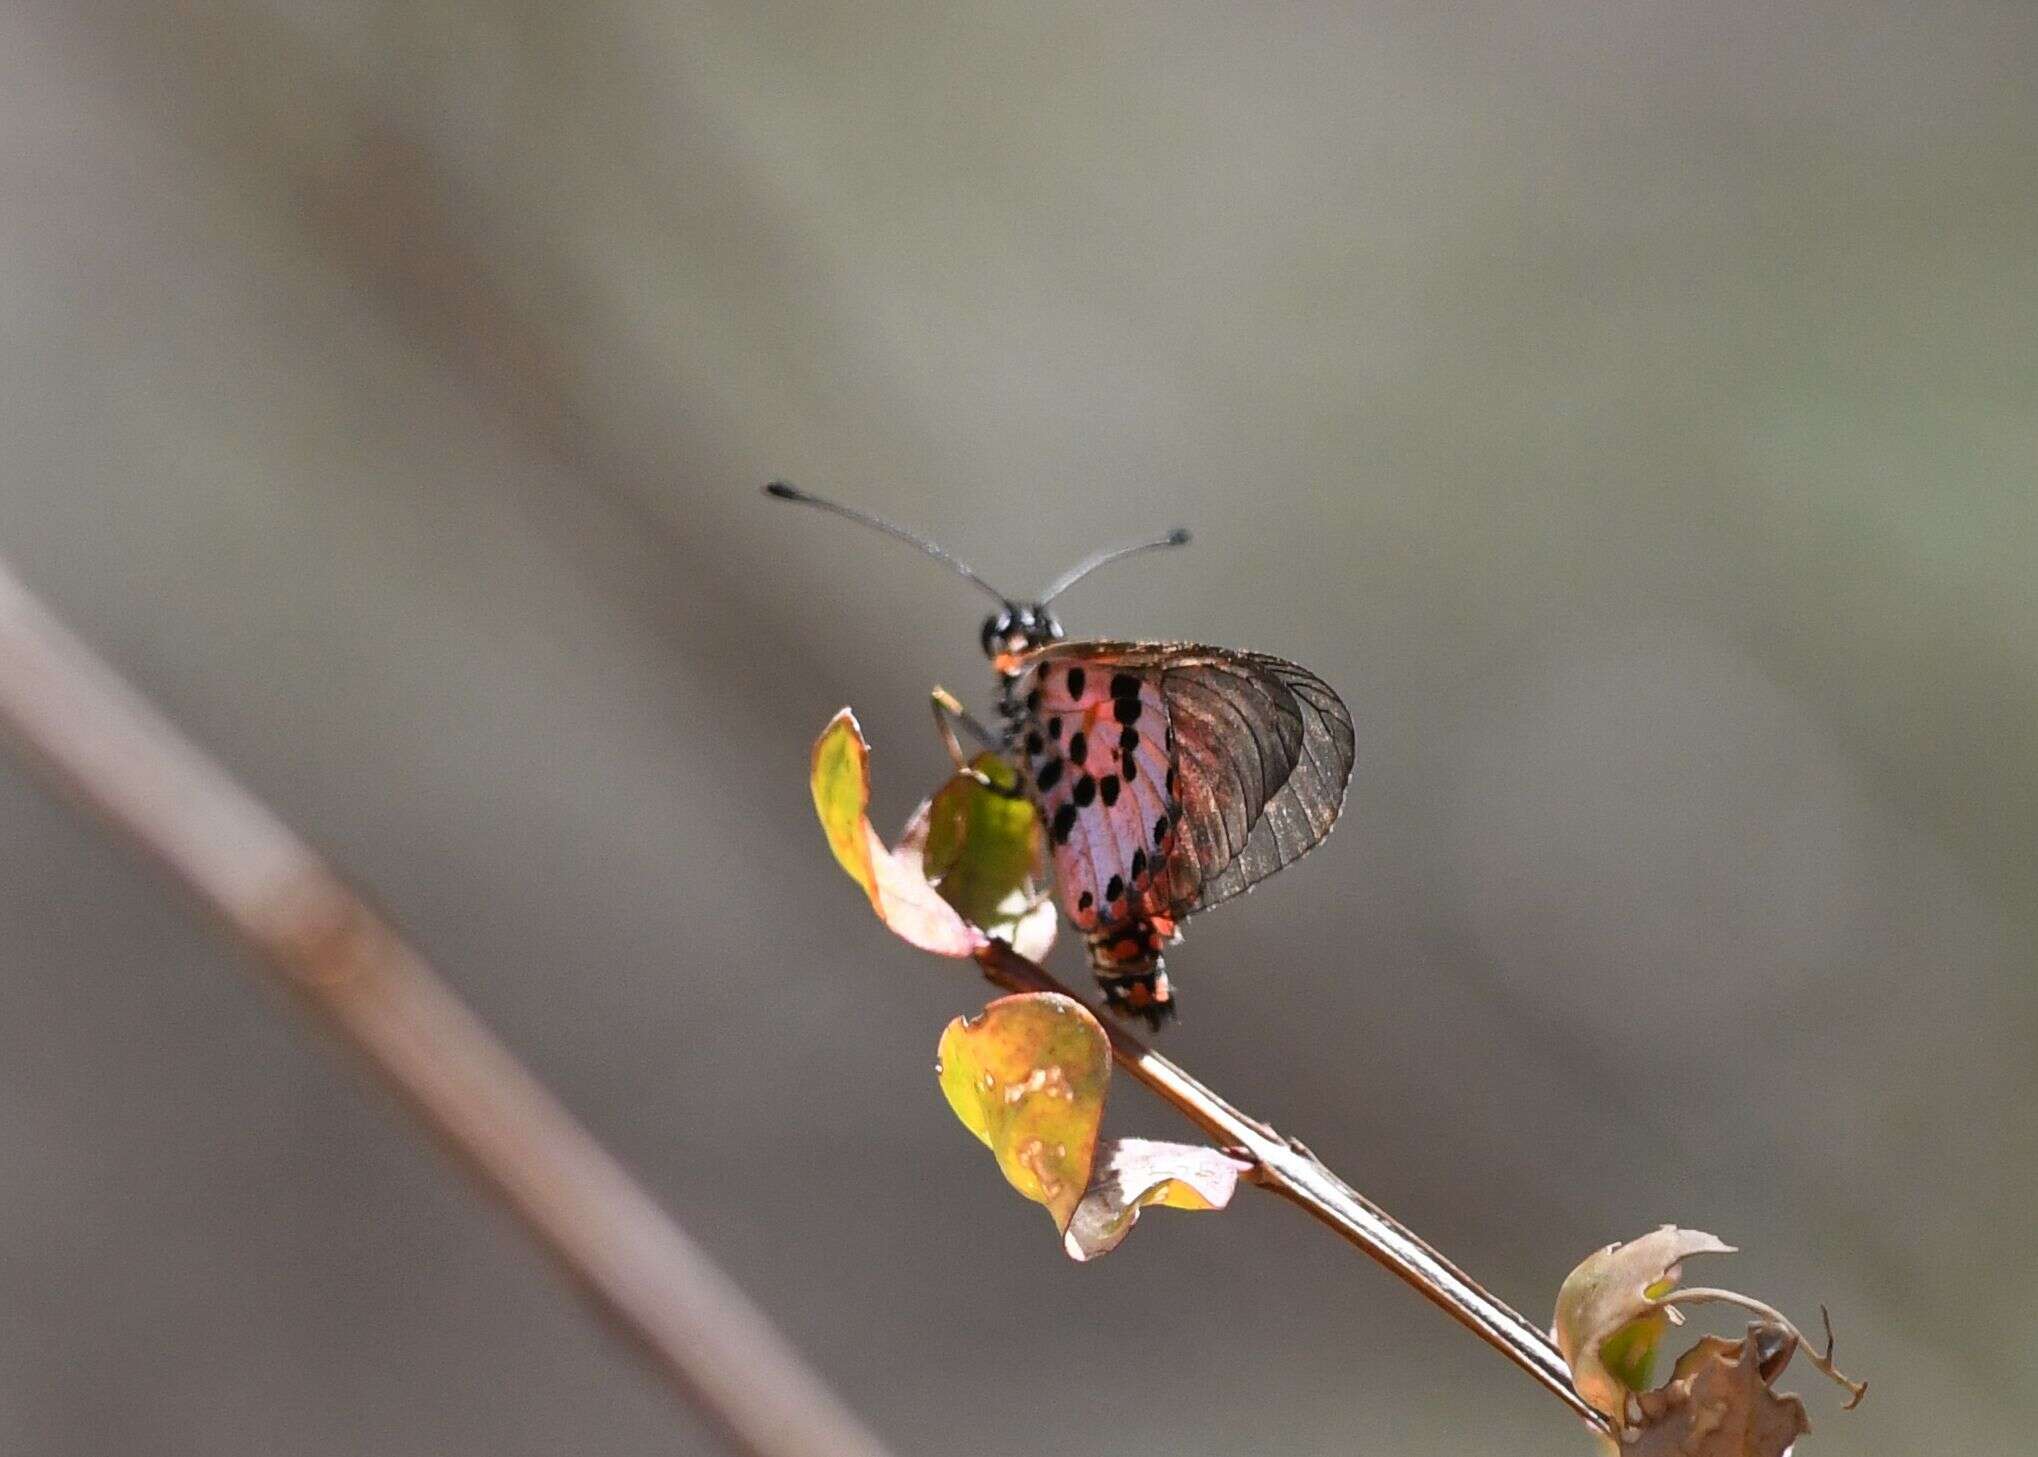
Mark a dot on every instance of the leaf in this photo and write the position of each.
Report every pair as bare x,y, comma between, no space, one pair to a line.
984,852
1718,1402
839,775
1609,1317
1028,1076
1137,1172
1611,1314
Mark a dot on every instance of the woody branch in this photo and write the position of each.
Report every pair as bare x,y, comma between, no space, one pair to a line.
318,938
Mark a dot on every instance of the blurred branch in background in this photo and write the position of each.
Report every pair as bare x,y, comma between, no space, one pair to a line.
1292,1171
110,748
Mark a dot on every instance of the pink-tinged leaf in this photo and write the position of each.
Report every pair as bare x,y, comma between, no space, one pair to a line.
1609,1319
1028,1077
893,880
1135,1173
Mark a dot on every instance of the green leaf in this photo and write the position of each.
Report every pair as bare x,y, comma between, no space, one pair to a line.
1028,1076
983,851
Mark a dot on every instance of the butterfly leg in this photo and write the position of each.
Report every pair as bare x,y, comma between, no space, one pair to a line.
1129,968
949,712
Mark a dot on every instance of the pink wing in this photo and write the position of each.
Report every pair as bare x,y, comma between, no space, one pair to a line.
1173,777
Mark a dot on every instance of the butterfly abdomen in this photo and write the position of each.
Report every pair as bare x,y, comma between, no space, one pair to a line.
1129,968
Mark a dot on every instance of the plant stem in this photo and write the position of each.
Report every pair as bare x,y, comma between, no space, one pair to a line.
105,743
1292,1171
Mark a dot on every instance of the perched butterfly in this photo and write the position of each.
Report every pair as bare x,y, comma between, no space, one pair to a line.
1169,777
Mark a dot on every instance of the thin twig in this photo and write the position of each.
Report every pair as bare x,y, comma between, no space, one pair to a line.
1823,1360
1292,1171
124,760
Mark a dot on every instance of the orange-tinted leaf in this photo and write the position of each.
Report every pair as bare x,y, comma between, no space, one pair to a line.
1134,1173
839,775
1028,1076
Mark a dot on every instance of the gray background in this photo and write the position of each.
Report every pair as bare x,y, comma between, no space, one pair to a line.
1630,408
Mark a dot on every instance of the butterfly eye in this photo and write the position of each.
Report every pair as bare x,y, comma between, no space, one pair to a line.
998,628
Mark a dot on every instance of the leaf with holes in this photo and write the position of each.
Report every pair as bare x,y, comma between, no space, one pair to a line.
1138,1173
1028,1076
839,775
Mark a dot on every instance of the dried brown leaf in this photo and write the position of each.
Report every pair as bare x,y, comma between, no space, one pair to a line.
1718,1403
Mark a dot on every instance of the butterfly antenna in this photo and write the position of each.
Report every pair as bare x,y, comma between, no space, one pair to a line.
1178,537
786,491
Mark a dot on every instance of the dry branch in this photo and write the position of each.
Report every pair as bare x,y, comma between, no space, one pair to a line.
1292,1171
111,749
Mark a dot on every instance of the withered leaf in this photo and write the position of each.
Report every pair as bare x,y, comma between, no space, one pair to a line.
1611,1315
1135,1173
1717,1402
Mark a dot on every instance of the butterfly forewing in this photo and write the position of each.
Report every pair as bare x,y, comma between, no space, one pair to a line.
1174,776
1098,754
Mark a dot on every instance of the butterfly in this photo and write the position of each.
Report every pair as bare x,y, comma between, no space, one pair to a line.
1168,776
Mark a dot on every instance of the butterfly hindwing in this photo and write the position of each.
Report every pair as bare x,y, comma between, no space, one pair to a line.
1290,767
1198,772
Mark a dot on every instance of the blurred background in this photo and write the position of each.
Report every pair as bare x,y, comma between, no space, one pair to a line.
1631,409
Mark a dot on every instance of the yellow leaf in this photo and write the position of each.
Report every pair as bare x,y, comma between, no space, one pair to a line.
839,776
1028,1077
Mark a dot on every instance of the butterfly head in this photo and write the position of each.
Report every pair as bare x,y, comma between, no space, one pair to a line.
1019,628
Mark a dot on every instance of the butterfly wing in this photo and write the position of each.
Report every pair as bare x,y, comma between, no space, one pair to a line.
1264,754
1173,776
